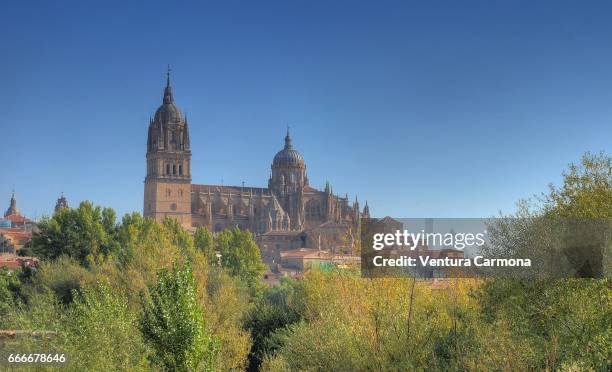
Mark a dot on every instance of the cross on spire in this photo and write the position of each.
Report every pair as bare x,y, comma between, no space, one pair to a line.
288,140
168,98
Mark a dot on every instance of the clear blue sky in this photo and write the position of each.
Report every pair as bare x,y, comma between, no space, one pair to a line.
430,108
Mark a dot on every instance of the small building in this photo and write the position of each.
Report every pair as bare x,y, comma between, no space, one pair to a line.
273,243
12,240
305,258
15,229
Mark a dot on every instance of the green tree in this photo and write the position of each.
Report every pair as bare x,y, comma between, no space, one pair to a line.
86,233
9,286
64,277
135,231
100,333
204,241
178,235
272,312
240,256
173,323
586,191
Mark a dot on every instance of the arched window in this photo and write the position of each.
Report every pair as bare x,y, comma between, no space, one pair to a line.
173,168
180,170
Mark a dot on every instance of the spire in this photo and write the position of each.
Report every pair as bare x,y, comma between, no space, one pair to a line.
13,207
168,97
288,145
186,135
366,210
62,203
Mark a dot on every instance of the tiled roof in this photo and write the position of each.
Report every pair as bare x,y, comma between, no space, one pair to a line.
387,219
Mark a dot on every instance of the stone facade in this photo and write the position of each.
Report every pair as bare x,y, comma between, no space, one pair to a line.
287,214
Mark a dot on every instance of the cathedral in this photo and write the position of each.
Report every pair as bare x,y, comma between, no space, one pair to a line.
288,214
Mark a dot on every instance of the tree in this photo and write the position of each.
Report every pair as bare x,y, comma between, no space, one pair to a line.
178,235
9,286
86,233
271,313
204,241
173,324
100,333
564,324
586,191
347,322
240,256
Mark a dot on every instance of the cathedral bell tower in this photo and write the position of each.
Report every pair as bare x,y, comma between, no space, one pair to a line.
167,191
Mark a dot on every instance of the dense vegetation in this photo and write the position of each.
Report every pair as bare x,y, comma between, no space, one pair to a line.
138,295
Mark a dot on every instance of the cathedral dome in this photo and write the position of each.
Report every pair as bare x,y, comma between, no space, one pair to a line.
168,113
288,157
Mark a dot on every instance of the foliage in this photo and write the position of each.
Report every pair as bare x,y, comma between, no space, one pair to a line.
351,323
9,286
586,191
85,234
273,312
562,323
64,277
241,257
100,333
173,324
95,332
226,304
204,241
43,299
179,236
